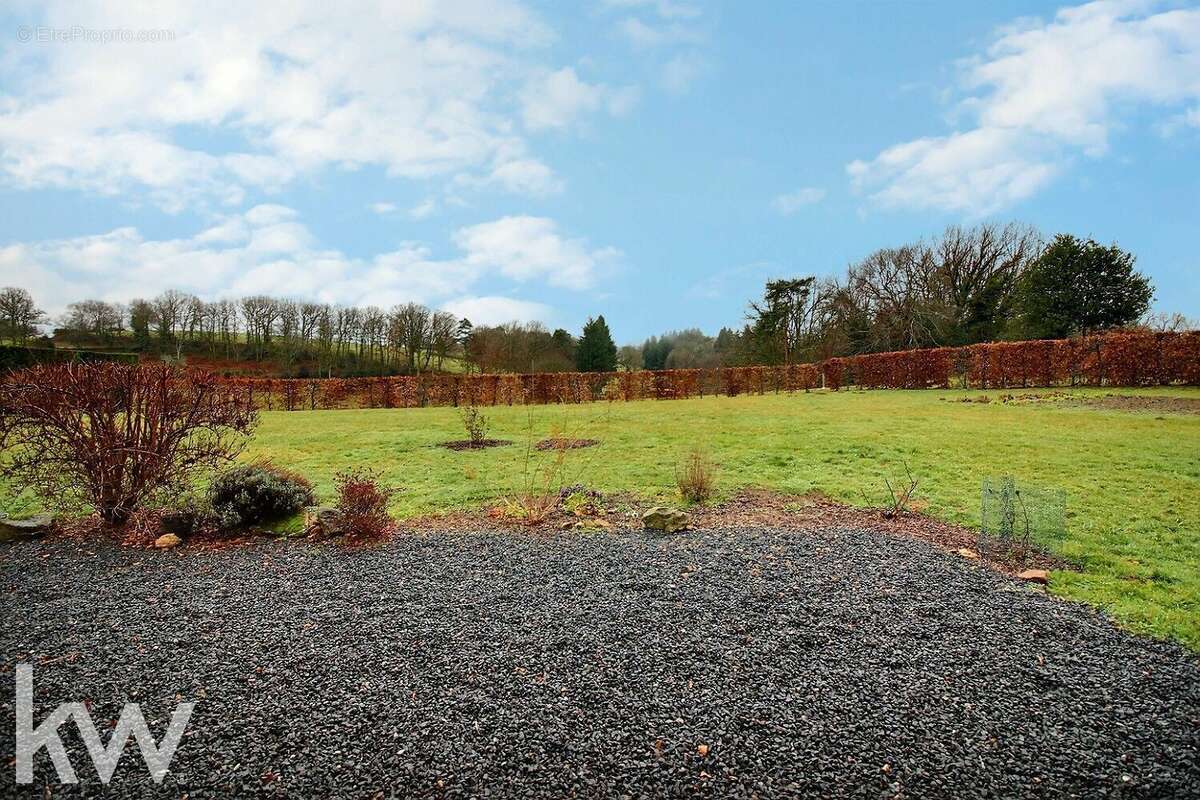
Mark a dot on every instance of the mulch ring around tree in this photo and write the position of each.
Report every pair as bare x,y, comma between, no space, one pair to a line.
477,444
562,443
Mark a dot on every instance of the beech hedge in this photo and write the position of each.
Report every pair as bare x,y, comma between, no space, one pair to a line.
1113,359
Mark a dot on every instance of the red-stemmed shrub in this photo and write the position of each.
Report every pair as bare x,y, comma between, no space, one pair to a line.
363,504
111,436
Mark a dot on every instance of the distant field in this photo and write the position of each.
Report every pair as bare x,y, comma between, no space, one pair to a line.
1132,478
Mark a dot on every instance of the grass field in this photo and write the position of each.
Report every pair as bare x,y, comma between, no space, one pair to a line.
1132,479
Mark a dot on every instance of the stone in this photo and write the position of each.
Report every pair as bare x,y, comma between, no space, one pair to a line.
1034,576
24,529
167,540
667,520
967,552
323,522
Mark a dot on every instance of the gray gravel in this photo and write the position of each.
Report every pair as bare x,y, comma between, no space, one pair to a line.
841,664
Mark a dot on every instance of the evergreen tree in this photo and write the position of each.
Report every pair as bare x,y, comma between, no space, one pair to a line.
655,352
564,343
141,315
596,351
1078,286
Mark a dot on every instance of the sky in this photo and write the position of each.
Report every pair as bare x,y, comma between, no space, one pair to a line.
654,161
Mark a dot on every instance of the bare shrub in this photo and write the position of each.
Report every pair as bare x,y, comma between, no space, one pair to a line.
538,495
363,504
696,477
111,436
901,495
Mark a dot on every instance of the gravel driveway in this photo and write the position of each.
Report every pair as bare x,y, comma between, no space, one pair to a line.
733,663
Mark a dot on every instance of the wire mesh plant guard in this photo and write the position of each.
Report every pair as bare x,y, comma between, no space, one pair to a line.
1016,515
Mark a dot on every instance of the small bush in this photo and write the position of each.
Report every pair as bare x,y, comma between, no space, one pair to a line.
363,504
580,501
476,424
258,493
695,477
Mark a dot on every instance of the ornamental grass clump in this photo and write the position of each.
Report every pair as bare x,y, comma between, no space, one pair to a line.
696,477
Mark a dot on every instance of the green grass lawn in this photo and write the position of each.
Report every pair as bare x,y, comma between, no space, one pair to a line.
1132,479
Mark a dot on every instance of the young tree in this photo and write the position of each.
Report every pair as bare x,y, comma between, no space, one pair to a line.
596,351
111,436
19,315
1079,286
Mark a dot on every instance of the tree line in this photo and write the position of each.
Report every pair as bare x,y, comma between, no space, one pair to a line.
301,339
967,286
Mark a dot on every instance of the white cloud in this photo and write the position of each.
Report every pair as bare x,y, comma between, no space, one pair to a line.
556,99
526,176
415,89
646,36
524,248
667,9
1041,93
423,209
383,209
268,250
791,202
681,71
494,310
974,173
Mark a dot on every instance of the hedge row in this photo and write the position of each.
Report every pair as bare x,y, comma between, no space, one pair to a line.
1118,359
17,357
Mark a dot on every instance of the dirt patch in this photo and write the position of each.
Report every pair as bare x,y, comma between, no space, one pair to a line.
1136,403
560,443
761,508
481,444
621,513
1148,404
751,508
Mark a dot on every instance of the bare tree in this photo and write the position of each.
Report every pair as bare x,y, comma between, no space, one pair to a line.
409,329
19,315
169,312
443,332
95,318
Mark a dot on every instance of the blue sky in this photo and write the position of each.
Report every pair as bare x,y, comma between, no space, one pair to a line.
651,160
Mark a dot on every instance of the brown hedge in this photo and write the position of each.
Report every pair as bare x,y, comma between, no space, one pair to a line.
1114,359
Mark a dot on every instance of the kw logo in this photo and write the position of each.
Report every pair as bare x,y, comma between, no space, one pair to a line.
30,739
